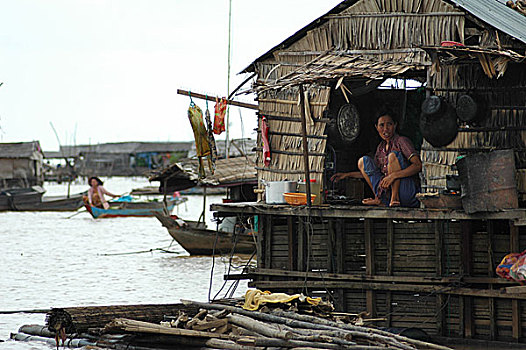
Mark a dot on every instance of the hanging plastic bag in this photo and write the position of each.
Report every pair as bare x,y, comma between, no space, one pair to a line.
219,116
195,115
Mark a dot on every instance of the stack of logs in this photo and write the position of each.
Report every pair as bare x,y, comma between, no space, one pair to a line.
228,327
215,325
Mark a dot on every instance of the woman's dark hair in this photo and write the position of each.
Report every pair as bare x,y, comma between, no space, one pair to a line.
99,181
383,113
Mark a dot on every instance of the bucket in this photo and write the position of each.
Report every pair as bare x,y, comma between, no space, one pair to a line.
488,181
275,189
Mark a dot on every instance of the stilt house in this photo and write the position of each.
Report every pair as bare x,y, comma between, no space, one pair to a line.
432,269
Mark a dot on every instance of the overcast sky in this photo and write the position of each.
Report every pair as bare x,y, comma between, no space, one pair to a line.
108,70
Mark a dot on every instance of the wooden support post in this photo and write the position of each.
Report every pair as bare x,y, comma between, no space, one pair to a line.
440,298
305,146
369,265
491,301
515,304
338,226
466,268
268,241
301,245
331,237
291,243
390,250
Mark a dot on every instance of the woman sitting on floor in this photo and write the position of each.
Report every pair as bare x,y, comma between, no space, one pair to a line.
393,173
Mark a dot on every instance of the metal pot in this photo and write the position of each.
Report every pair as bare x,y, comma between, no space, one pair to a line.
275,189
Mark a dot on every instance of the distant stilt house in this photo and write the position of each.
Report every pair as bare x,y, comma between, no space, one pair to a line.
123,158
318,92
20,165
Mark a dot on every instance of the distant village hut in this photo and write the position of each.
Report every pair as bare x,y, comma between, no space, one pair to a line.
20,165
453,48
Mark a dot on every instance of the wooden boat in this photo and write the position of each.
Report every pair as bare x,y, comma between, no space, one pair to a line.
196,239
133,209
32,199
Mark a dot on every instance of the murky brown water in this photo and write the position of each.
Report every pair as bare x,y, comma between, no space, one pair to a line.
48,260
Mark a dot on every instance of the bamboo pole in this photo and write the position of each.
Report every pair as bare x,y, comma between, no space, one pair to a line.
305,146
211,98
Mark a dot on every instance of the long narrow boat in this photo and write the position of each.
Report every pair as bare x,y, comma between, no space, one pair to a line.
134,209
196,239
32,199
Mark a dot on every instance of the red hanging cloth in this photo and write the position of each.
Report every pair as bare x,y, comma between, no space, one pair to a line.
219,117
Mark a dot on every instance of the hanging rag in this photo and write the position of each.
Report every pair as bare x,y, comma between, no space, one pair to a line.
254,298
219,116
195,115
264,139
211,140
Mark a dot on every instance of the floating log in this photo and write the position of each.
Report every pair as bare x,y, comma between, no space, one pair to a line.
84,318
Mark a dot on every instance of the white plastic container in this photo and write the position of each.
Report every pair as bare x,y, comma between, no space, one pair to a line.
274,191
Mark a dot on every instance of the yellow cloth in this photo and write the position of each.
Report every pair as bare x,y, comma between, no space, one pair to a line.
254,298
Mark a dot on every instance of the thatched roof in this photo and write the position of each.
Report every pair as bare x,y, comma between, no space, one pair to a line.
494,13
229,172
19,149
334,65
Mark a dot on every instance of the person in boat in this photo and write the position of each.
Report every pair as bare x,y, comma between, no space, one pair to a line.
393,172
96,193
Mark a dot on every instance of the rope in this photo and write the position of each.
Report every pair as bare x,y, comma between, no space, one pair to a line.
165,250
228,79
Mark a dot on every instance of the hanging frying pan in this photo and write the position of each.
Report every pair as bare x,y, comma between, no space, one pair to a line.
348,122
438,121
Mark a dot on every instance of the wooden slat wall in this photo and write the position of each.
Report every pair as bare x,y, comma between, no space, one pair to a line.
402,248
285,104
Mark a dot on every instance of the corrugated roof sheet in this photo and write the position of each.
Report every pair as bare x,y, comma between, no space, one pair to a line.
498,15
19,149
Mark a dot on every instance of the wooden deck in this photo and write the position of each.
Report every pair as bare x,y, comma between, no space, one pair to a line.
518,216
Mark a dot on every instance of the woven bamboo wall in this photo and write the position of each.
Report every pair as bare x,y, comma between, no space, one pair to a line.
284,103
505,100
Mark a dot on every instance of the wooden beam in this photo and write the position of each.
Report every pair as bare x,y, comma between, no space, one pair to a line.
213,99
301,246
389,279
358,212
467,293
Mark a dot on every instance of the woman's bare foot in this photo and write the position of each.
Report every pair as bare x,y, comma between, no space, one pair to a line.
394,203
372,201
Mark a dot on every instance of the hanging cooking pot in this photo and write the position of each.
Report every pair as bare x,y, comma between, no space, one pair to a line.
470,109
348,122
438,121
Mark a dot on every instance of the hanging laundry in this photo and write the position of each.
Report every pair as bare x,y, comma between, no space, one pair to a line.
219,117
211,140
266,143
195,115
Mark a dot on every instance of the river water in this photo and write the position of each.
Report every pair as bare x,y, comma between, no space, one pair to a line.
55,260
